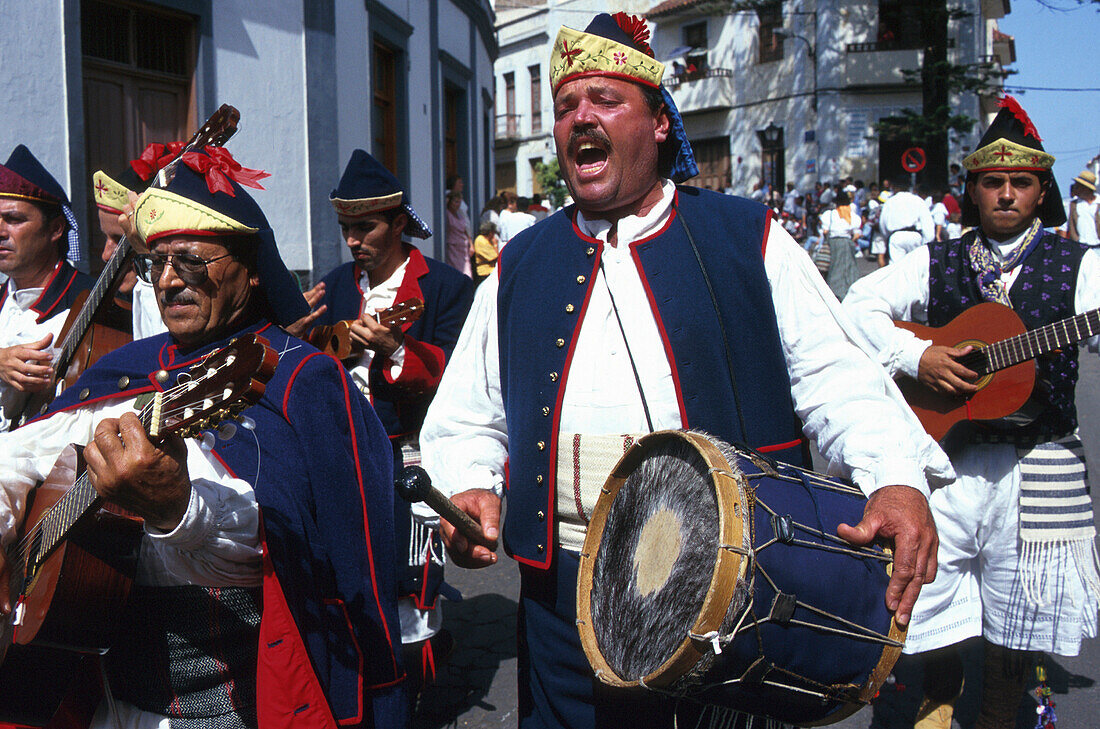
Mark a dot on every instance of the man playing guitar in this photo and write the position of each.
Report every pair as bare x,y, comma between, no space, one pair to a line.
1016,555
263,592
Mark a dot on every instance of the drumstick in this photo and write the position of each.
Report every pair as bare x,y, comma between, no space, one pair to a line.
414,484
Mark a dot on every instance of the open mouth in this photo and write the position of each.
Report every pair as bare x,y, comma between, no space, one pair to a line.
591,158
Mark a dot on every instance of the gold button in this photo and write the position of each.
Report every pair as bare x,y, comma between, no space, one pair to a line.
590,250
539,548
560,342
541,445
553,376
580,279
538,479
84,394
161,376
541,516
569,308
123,382
545,410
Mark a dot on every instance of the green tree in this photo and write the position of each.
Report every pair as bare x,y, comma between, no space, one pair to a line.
549,178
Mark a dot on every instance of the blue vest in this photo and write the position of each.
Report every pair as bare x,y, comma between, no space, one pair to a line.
1042,293
546,277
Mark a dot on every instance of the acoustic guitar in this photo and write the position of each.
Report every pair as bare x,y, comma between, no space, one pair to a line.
335,339
1003,350
73,560
87,333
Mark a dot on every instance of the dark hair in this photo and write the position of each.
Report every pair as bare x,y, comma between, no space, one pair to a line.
654,99
451,180
843,199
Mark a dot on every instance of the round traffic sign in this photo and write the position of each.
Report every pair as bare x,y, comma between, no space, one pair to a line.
913,159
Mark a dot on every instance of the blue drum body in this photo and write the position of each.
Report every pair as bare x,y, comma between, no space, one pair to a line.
714,574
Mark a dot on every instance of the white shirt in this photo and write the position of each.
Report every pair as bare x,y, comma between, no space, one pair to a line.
901,292
512,223
18,326
850,408
939,214
835,226
145,312
382,296
906,211
1086,222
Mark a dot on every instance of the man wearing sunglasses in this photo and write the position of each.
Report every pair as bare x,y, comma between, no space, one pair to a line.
37,232
264,590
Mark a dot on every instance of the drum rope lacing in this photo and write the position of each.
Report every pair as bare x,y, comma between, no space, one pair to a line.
688,684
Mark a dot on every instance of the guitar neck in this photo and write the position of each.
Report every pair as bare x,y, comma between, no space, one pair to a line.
73,505
1036,342
103,286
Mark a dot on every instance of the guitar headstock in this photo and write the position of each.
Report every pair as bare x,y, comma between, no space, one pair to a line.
406,311
220,387
217,130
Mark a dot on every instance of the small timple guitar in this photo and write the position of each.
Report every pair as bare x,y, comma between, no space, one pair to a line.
336,339
1003,350
72,563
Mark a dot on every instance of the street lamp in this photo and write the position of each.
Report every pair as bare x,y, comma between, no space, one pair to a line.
771,133
781,33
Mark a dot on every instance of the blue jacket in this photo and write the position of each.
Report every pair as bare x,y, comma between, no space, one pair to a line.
546,276
65,284
321,468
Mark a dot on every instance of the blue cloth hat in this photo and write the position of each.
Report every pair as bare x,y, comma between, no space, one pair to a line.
677,161
188,206
367,187
23,177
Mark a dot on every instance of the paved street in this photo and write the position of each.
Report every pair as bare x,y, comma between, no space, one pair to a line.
477,687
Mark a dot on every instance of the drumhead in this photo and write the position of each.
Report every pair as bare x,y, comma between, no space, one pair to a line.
659,528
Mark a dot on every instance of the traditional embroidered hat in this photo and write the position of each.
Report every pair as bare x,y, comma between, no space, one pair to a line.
206,198
367,187
111,195
24,178
1012,144
1087,178
617,46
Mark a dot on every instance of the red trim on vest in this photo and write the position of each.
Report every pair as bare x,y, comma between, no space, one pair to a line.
290,381
781,446
85,403
768,217
44,314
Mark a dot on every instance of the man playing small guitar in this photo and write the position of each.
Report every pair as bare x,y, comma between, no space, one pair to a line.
1016,557
263,592
400,360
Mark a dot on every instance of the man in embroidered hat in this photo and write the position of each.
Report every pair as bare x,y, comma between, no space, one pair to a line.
1016,559
264,593
647,306
37,232
111,196
399,365
1084,209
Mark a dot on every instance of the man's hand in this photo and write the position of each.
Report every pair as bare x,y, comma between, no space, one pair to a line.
901,514
383,339
940,370
484,507
26,366
301,327
127,469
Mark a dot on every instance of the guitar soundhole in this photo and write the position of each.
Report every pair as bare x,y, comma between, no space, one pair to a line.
334,344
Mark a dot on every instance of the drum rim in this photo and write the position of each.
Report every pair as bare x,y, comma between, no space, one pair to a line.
729,567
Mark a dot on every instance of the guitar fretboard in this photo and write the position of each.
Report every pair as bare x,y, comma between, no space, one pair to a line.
1033,343
91,305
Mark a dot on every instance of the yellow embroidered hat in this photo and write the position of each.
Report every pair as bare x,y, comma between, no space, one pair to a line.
612,45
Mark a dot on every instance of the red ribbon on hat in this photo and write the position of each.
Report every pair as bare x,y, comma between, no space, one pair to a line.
636,28
219,167
154,157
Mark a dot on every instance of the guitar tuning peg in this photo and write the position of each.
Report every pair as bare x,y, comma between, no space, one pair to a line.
207,443
226,430
247,423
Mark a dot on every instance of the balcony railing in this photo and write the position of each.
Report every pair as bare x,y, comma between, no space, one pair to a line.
507,126
689,76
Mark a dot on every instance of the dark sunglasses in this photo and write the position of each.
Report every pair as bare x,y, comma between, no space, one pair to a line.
190,268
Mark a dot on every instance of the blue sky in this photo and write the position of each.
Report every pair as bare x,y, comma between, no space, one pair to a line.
1059,49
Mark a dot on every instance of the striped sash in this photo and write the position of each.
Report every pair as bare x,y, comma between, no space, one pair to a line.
1056,510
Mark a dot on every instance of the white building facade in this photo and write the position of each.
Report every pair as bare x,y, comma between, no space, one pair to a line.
792,92
411,82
